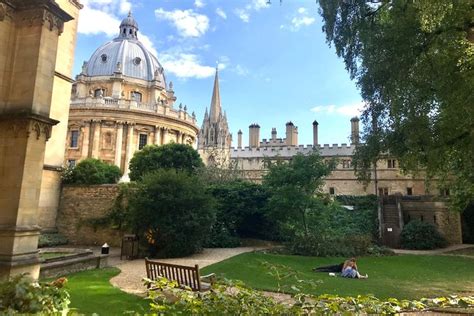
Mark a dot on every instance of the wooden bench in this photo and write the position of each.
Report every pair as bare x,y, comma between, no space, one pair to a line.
183,275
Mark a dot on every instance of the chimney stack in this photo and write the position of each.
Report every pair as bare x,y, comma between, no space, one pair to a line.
291,134
239,139
274,134
355,130
254,135
315,133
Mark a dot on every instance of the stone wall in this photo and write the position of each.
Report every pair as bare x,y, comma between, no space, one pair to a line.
79,204
437,213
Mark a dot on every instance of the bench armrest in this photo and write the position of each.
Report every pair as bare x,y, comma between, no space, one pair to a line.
209,278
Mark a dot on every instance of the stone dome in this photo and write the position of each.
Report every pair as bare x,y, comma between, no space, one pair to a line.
126,55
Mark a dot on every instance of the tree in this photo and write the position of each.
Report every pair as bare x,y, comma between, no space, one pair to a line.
92,171
294,185
172,212
170,156
414,64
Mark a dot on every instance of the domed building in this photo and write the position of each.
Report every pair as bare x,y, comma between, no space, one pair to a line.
121,102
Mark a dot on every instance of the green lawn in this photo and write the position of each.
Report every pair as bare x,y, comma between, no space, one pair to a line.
406,276
91,292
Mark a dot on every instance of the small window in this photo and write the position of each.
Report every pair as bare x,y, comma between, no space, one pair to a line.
137,61
71,163
74,139
103,57
142,141
332,191
346,164
391,163
409,191
444,192
136,96
383,191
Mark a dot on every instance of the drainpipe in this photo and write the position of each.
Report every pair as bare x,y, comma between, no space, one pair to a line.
398,201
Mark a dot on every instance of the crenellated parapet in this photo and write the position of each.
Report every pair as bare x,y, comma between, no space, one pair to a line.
325,150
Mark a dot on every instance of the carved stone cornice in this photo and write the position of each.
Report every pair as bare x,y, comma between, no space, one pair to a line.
40,12
26,124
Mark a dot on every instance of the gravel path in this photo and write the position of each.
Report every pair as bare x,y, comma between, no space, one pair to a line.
432,252
132,272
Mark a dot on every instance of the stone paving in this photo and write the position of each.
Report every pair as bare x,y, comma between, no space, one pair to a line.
133,271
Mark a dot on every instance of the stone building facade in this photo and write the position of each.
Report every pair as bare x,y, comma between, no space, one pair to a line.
121,102
388,178
37,42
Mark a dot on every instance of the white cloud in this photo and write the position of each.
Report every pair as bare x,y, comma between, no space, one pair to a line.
199,3
351,109
302,21
301,18
221,13
187,22
125,6
102,16
241,70
187,66
243,15
254,5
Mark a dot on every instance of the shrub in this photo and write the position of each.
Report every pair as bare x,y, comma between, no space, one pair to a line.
172,212
421,235
92,171
51,240
22,295
170,156
329,245
364,216
240,212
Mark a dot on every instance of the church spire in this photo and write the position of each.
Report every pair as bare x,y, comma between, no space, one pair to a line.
215,110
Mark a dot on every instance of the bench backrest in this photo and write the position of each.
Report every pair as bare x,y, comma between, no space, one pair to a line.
183,275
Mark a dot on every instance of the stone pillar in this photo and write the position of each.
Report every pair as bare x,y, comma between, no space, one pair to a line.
130,150
239,139
96,139
178,137
166,139
315,133
157,139
254,135
118,145
29,33
183,138
355,130
86,130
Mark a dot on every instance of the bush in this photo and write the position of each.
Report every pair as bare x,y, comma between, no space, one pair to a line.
172,212
51,240
22,295
364,217
421,235
170,156
329,245
92,171
240,213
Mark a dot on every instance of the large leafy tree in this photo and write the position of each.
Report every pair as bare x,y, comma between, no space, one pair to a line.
414,64
172,213
170,156
294,187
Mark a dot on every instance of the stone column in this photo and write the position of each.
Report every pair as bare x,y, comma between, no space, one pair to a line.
157,139
166,139
130,150
118,145
96,139
85,140
29,33
183,138
315,133
178,137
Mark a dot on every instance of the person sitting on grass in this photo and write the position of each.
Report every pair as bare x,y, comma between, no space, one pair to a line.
349,270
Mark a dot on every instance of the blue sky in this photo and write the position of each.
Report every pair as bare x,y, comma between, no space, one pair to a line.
275,65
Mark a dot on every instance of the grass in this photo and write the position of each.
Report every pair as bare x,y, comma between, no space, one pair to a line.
403,277
464,252
91,292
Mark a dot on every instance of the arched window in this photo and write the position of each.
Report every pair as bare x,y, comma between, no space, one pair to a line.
136,96
99,93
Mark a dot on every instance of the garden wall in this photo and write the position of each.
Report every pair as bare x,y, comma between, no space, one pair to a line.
78,205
